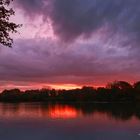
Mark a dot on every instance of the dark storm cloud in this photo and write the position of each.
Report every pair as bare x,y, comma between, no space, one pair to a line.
31,7
48,61
109,25
74,18
80,63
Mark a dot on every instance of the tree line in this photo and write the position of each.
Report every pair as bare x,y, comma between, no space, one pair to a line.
118,91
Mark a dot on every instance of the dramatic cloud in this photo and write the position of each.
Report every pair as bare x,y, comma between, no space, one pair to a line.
44,61
74,18
81,42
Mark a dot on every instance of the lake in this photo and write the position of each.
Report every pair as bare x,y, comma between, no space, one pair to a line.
81,121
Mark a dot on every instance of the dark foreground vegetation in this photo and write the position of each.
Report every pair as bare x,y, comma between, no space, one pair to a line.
118,91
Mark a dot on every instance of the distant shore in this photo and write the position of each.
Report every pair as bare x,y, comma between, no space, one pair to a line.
116,92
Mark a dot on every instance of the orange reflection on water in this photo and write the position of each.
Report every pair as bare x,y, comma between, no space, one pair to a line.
62,112
38,111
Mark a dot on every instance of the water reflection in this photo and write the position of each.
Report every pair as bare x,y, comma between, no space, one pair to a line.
37,121
62,112
121,112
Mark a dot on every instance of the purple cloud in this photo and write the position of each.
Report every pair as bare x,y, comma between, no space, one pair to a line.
75,18
109,50
44,61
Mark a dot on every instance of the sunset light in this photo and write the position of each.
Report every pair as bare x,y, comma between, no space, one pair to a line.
63,112
69,69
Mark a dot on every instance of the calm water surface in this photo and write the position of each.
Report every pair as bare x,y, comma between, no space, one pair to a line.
37,121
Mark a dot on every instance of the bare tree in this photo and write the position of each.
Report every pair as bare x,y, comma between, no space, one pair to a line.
7,27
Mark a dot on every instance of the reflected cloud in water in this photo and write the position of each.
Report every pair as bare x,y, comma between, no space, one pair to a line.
63,112
41,121
121,112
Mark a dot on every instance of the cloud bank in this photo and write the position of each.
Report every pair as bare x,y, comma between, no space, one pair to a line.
75,18
97,42
81,63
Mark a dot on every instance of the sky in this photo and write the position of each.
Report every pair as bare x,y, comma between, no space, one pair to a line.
71,43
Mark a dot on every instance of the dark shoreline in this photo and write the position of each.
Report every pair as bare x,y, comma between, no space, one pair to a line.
116,92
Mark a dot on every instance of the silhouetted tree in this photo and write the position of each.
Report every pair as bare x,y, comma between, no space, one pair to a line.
137,86
6,27
118,91
11,95
121,91
122,85
137,90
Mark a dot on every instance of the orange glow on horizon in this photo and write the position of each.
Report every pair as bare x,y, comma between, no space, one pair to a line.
40,86
65,86
35,86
